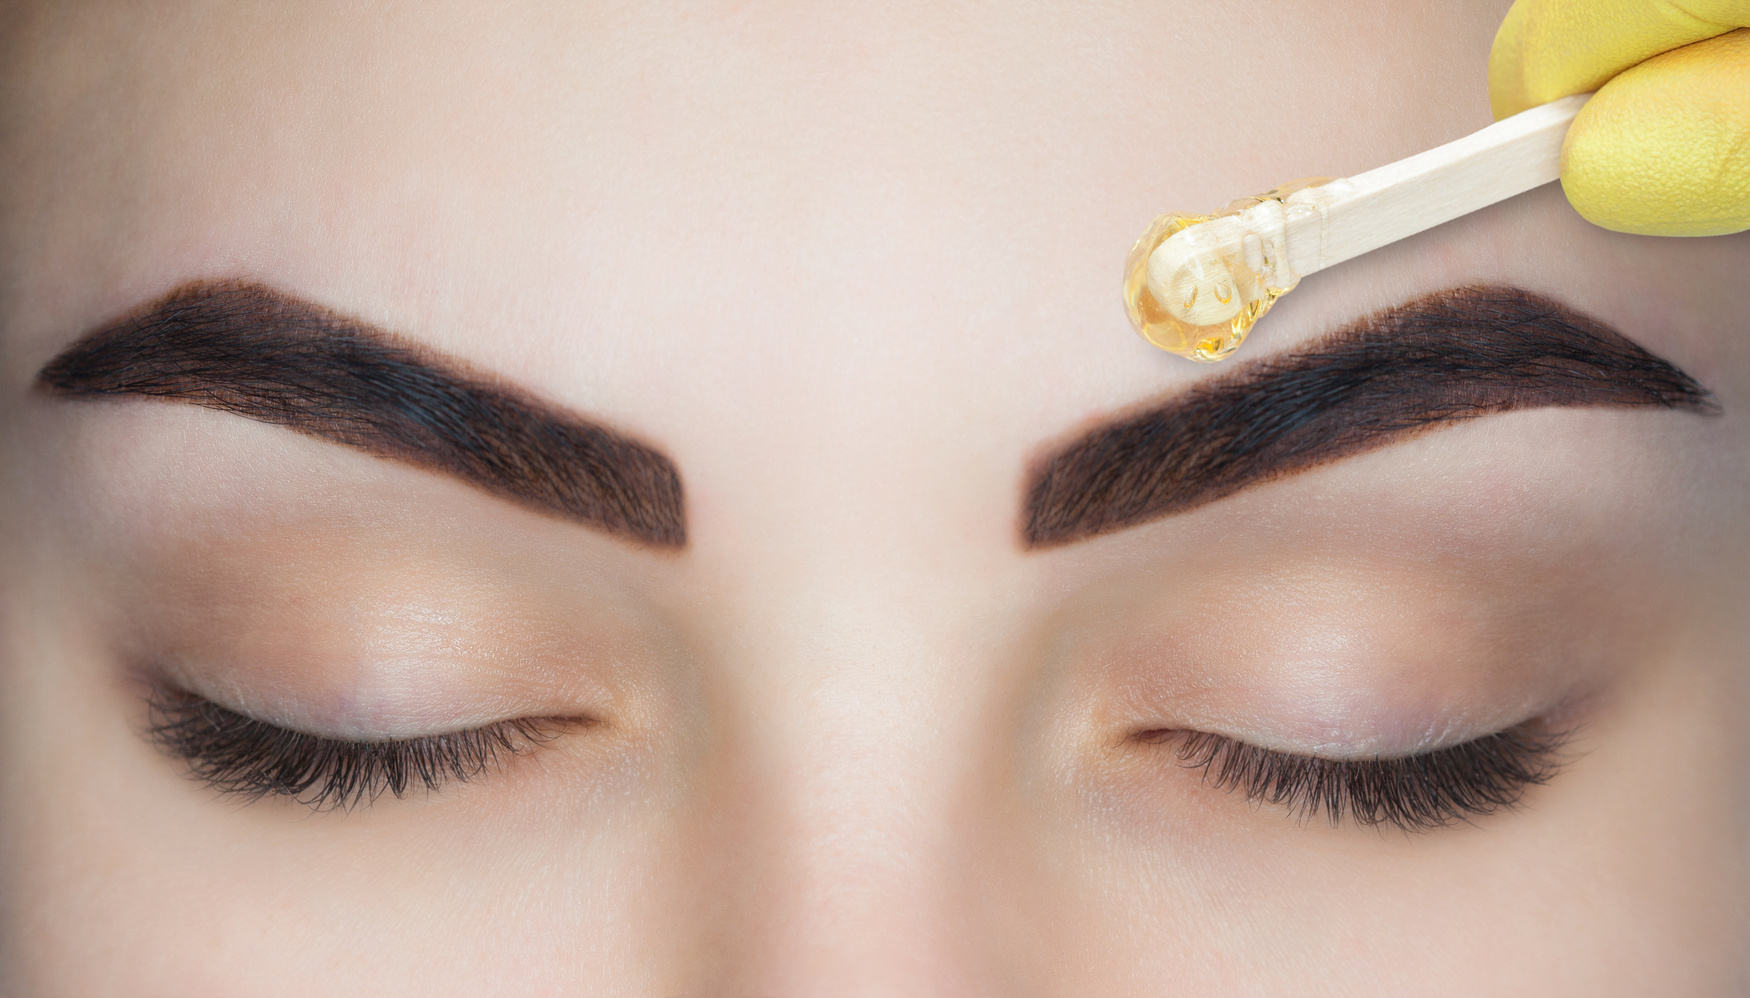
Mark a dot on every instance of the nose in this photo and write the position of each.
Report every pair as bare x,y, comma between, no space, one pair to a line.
842,863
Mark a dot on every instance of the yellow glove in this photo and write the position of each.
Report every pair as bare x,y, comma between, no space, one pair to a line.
1664,147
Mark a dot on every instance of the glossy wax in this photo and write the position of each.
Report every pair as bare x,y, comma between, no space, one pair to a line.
1214,307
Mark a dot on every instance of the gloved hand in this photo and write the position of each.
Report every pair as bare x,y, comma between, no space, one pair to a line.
1664,147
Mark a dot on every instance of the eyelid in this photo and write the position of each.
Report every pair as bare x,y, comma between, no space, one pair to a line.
1419,792
245,758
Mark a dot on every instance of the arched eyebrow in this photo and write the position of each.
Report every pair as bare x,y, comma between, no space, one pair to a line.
251,350
1451,356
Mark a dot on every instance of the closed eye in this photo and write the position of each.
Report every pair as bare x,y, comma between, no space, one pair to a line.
249,759
1415,793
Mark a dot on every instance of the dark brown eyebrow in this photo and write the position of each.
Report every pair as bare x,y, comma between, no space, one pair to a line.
251,350
1451,356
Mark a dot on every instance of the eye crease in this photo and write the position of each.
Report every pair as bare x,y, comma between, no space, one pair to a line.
249,760
1415,793
570,499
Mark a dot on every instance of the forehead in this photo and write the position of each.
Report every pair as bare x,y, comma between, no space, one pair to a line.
885,218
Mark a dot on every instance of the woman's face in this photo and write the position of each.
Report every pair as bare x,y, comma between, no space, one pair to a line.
904,692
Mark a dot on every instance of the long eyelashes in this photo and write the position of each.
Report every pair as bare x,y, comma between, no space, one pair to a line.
1415,793
250,759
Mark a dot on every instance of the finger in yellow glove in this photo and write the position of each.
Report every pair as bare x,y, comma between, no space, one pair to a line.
1663,148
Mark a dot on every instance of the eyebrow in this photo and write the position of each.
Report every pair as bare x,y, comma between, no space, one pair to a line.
248,349
1444,358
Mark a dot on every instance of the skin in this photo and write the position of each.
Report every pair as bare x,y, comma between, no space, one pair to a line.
853,270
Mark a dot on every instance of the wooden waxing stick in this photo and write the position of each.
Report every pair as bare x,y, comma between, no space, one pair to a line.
1319,227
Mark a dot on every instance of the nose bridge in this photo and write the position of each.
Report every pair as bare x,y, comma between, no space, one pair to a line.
844,556
851,748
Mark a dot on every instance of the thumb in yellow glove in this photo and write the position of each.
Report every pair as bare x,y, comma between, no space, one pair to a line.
1663,148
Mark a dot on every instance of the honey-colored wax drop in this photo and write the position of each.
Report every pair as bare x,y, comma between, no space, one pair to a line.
1196,284
1213,293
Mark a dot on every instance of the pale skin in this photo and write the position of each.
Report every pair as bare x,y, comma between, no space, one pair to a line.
853,271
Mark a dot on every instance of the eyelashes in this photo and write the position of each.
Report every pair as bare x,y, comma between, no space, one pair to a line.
1415,793
248,759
